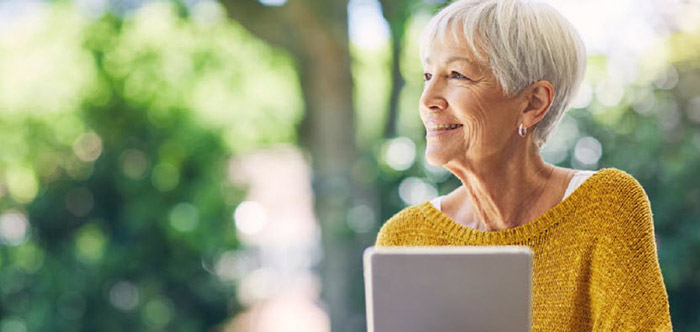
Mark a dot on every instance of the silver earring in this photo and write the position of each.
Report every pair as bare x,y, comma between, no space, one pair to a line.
522,131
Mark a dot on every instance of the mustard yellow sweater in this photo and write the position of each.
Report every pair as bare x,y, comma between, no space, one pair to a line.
595,265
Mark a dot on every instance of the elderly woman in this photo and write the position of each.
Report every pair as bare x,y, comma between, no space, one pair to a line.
499,75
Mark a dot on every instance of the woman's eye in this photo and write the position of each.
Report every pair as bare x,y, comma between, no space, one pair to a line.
458,76
427,76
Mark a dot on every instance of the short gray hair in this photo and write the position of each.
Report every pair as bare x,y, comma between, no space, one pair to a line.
522,42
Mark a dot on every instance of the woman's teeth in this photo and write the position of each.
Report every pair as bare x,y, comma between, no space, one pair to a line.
444,126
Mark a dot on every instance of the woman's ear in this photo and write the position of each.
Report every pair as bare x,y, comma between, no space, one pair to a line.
540,96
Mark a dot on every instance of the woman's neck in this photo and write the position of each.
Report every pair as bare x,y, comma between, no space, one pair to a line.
504,191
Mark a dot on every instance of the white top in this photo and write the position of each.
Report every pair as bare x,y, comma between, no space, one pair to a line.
578,178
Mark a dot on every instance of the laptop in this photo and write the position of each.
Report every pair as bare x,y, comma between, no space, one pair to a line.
448,289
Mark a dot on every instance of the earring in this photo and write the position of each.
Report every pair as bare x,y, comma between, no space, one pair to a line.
522,131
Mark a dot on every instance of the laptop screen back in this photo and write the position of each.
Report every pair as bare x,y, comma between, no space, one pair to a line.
450,289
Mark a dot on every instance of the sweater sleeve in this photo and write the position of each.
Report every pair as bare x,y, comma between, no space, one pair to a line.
628,292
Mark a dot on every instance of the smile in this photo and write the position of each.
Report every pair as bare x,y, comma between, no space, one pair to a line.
433,127
440,129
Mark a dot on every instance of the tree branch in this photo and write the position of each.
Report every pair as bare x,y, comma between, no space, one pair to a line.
271,24
396,14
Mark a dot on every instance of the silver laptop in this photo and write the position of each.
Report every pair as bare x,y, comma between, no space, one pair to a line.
448,289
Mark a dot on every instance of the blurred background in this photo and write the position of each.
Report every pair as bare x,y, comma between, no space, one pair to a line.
200,165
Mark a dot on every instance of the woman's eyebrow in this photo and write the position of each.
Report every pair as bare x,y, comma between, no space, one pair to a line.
453,59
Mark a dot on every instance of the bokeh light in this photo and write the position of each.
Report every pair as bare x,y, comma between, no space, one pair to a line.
567,133
667,79
555,151
361,218
124,295
134,164
583,97
250,217
90,243
588,151
11,324
29,257
413,191
88,147
22,183
165,177
14,228
184,217
230,265
399,153
158,312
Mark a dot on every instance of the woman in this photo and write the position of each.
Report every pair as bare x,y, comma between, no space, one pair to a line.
499,75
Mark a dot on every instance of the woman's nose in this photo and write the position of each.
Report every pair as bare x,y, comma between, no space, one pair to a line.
432,97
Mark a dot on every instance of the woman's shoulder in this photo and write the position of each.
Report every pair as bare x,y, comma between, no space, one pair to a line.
617,186
410,221
606,189
622,200
615,175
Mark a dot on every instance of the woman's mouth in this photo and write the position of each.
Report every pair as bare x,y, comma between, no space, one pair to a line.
443,128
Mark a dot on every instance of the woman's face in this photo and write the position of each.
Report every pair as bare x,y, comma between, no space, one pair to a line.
465,112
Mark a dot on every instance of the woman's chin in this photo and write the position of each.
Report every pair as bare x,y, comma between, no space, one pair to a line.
435,157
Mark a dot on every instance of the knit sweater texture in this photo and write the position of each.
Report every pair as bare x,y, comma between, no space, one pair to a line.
595,265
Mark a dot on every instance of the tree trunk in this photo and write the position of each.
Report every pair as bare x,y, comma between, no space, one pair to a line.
328,132
316,35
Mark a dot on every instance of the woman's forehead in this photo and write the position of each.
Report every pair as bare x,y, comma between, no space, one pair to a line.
449,55
448,50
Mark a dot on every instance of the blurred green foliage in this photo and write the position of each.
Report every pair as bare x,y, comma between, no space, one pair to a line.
116,138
